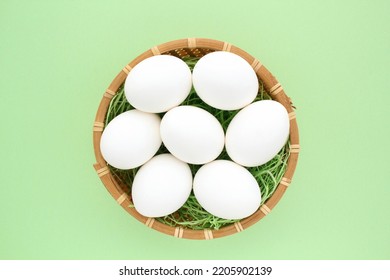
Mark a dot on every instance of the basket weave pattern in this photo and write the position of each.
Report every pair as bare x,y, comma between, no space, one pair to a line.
195,47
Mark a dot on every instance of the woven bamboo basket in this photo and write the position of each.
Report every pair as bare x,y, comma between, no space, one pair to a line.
195,47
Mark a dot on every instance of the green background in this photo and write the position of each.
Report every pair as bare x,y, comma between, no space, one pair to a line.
58,57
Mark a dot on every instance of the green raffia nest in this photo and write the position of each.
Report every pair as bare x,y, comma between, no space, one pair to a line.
191,215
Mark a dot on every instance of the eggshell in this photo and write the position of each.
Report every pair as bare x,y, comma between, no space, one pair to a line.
158,83
192,134
257,133
131,139
161,186
227,190
225,80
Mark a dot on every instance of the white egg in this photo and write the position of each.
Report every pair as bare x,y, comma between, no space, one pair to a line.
131,139
226,190
192,134
225,80
257,133
158,83
161,186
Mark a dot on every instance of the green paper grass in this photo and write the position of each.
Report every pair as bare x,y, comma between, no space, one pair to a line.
191,215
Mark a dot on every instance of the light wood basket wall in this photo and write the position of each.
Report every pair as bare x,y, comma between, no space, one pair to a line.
196,47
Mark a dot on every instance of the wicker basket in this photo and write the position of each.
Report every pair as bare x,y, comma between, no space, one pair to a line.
195,47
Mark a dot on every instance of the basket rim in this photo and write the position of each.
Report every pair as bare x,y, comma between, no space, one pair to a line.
271,85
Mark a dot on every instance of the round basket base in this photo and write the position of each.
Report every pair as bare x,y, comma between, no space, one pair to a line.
195,47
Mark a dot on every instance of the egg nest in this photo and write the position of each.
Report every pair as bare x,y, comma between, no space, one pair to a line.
192,215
